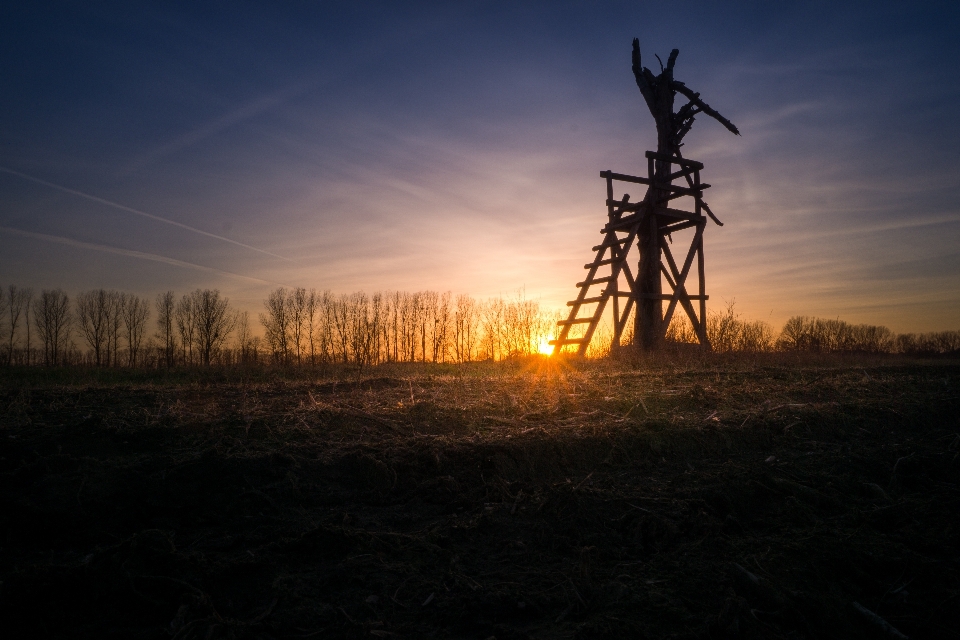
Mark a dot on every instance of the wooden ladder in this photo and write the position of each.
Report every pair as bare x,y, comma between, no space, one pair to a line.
619,248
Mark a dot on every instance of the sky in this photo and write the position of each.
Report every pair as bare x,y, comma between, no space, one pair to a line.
457,147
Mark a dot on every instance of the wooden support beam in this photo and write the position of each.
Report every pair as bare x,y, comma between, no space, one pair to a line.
680,293
622,177
683,162
587,283
661,186
667,296
643,207
686,172
662,212
680,226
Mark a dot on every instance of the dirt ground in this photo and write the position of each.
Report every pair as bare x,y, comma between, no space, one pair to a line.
744,498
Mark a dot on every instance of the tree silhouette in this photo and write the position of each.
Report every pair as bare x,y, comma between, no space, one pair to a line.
51,314
659,92
213,321
166,312
93,320
135,311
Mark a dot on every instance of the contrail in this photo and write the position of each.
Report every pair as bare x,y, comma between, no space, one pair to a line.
117,205
245,112
129,253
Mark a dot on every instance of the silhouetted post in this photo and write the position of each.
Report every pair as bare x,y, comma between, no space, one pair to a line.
658,92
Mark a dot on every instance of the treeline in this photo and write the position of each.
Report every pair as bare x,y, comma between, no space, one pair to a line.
310,326
306,327
297,327
728,332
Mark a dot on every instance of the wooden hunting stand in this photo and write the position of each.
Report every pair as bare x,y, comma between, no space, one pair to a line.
651,223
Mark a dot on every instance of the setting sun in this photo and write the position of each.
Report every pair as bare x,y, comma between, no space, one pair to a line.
545,347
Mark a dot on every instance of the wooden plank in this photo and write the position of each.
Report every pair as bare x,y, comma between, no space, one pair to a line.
632,206
680,226
606,243
622,177
625,267
667,296
623,224
609,198
683,162
586,300
704,340
588,334
665,211
686,172
577,321
622,320
587,283
662,186
602,263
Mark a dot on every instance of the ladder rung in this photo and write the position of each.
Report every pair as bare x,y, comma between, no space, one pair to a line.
586,301
587,283
568,341
601,263
577,321
609,244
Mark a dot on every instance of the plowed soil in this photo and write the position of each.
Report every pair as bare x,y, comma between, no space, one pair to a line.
711,499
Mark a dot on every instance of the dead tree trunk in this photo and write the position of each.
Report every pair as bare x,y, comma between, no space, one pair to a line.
659,93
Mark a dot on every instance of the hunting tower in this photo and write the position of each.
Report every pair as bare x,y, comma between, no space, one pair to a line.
649,224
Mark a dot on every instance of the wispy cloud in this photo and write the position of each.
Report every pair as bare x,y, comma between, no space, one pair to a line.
242,113
129,253
144,214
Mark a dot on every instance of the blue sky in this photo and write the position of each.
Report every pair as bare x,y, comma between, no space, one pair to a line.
457,146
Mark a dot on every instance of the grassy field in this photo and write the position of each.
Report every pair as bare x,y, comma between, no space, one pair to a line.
759,497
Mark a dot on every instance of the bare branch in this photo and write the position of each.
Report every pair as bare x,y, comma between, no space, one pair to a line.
679,87
642,80
672,60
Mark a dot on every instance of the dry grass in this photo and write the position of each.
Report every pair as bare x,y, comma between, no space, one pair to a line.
677,497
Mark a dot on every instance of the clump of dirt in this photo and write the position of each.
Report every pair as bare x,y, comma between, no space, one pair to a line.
710,500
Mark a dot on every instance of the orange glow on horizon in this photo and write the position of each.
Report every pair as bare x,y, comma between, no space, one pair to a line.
545,348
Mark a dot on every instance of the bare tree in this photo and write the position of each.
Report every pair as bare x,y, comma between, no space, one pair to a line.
17,304
465,320
114,324
213,320
493,314
243,336
395,325
165,307
4,307
186,327
341,323
312,306
51,314
297,303
27,305
277,324
441,328
135,312
93,319
377,317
